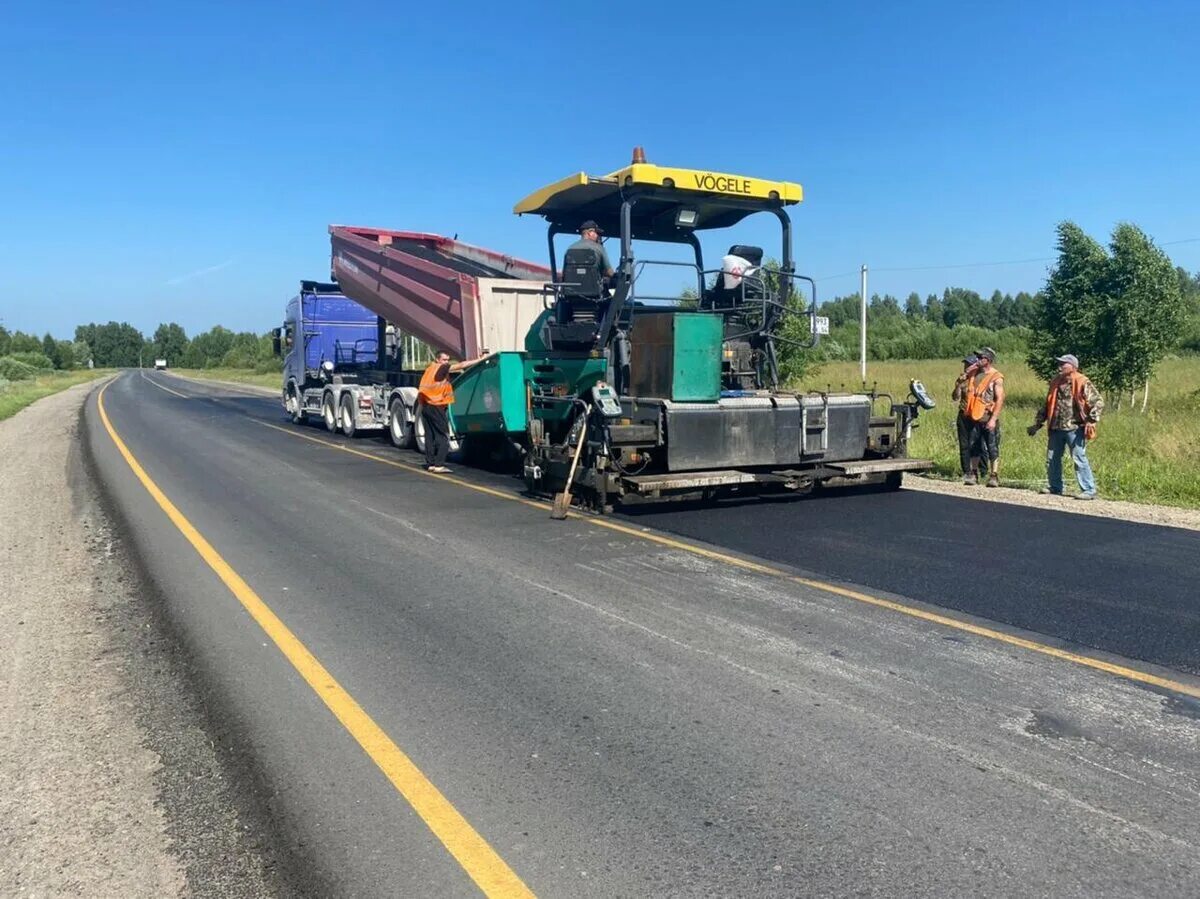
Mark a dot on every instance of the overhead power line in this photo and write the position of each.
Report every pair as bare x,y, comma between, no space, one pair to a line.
938,268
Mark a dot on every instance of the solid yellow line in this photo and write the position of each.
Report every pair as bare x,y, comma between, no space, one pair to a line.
1133,674
415,469
484,866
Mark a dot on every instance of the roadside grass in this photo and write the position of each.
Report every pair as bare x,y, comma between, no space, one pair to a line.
1151,457
16,395
271,379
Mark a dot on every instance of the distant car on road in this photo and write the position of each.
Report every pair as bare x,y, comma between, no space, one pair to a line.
160,364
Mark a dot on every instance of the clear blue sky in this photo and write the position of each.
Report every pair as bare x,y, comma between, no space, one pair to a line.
181,162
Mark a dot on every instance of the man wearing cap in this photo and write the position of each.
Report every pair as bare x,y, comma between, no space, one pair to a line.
967,433
589,239
985,400
1072,410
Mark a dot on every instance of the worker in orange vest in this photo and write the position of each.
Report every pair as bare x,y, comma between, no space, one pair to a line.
968,433
985,400
1072,411
435,396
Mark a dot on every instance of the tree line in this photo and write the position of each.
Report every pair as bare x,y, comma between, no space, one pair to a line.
1120,308
121,345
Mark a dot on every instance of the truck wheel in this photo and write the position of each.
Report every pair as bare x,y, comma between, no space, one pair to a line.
400,429
296,406
329,413
347,416
895,480
419,434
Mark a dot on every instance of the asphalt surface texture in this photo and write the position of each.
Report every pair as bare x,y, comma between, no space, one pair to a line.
1100,583
620,716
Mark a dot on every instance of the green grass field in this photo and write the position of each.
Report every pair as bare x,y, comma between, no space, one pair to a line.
16,395
272,379
1143,457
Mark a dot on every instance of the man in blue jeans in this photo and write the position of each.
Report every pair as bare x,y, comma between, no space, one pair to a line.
1072,410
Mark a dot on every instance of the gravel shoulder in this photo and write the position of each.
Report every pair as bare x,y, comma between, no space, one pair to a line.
110,783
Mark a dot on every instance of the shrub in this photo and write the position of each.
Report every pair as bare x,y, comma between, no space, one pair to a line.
13,369
34,360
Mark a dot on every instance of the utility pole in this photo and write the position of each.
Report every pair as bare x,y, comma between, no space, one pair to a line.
862,325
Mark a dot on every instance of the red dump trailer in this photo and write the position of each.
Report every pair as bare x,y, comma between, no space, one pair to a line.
451,295
448,294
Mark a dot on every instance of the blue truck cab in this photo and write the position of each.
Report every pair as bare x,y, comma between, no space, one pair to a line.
324,331
343,364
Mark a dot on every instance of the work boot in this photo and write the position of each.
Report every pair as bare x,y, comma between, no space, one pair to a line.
993,480
1046,491
970,479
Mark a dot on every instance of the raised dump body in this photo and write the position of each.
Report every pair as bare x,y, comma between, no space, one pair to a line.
350,353
450,294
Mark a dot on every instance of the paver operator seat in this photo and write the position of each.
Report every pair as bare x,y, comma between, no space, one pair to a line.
583,287
582,301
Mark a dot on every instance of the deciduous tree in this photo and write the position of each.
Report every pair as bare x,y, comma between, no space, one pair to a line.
1119,311
170,343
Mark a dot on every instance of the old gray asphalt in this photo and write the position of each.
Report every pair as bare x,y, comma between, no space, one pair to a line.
621,718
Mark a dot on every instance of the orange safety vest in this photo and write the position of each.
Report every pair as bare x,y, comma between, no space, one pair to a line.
1077,395
977,409
433,392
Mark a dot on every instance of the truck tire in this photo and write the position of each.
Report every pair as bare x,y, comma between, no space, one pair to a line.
296,406
400,429
346,415
419,433
329,413
419,436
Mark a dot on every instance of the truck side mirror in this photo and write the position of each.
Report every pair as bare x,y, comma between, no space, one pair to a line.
276,343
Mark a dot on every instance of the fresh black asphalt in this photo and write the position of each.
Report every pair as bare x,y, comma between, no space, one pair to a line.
1121,587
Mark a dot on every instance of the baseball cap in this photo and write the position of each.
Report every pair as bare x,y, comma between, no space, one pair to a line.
987,353
1067,357
970,359
588,225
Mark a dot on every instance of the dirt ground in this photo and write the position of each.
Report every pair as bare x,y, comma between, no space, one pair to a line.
109,783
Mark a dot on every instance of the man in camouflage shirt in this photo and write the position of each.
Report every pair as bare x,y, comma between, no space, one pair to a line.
1072,410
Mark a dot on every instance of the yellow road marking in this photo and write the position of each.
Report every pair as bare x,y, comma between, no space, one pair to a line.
407,466
484,866
164,387
1133,674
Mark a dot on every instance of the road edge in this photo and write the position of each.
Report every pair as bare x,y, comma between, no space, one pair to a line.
215,796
